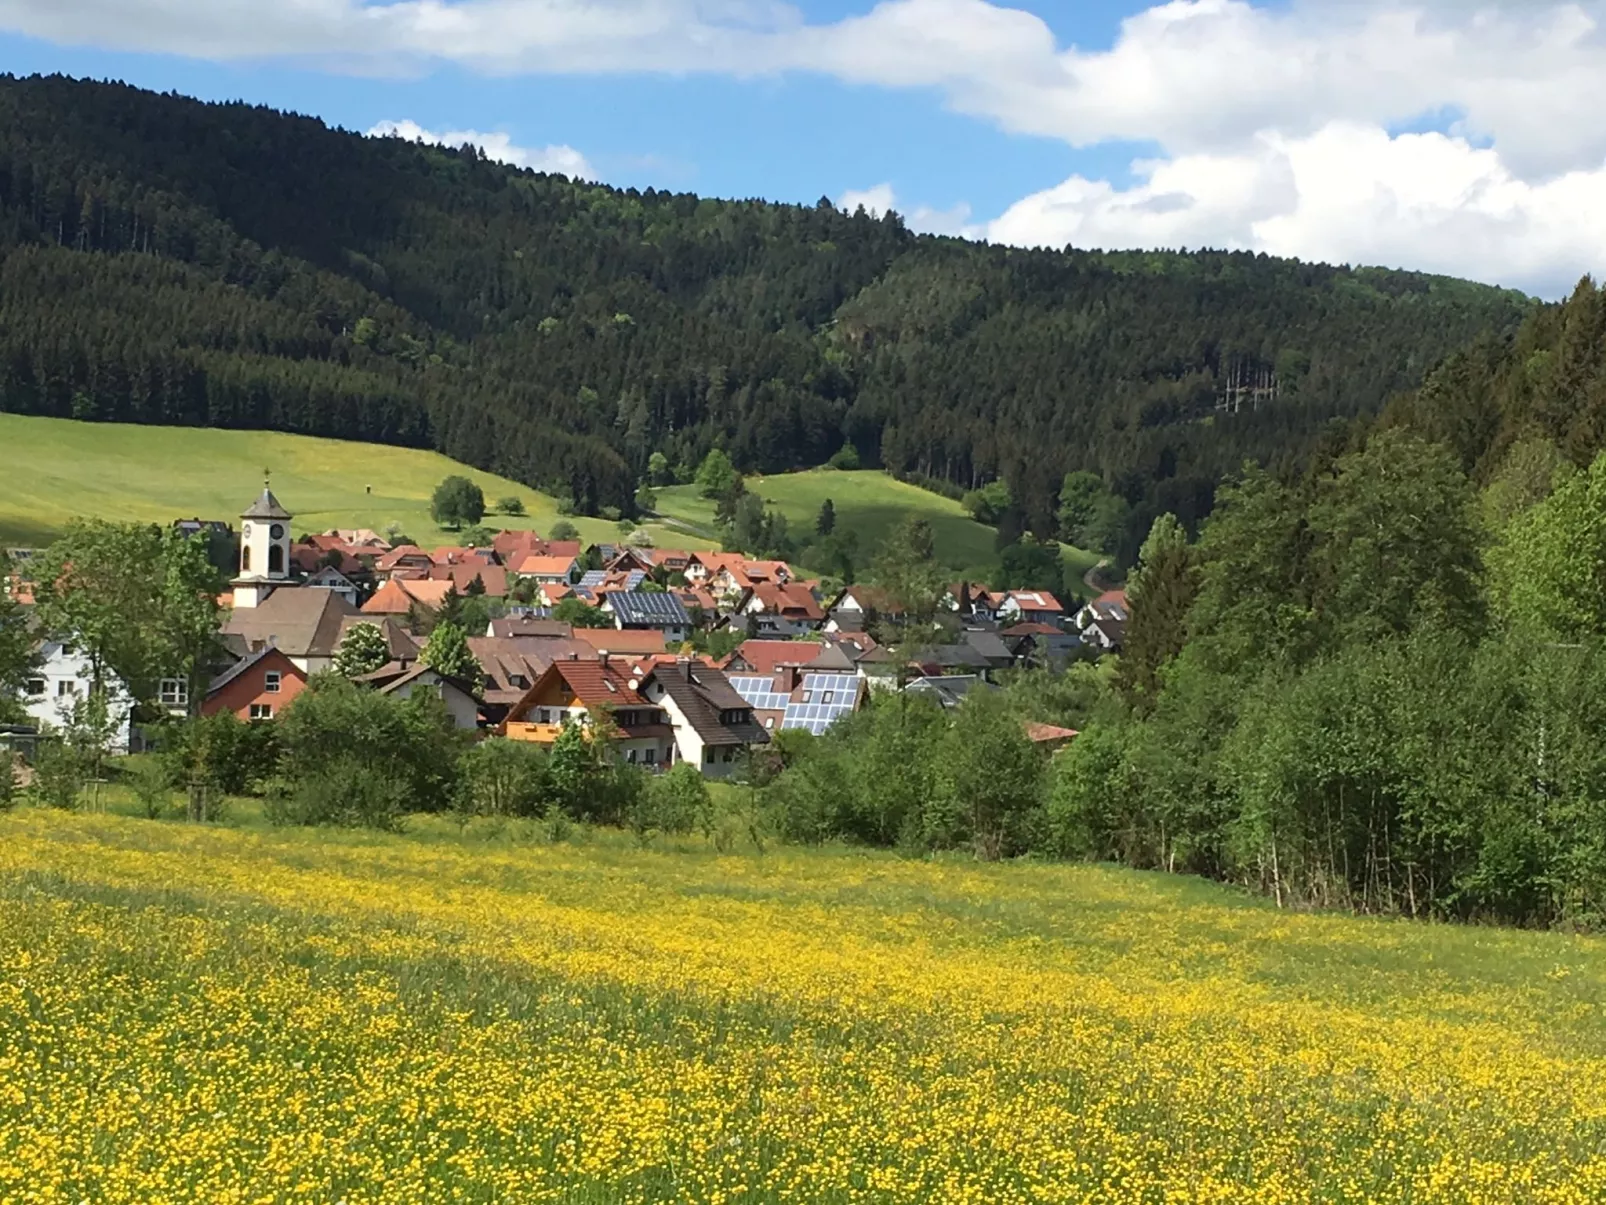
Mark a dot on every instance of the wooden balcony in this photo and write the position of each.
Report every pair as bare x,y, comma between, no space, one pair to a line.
542,734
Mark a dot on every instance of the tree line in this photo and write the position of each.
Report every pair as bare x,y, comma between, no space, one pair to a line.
168,261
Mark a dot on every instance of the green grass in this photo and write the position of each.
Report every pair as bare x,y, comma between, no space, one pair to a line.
868,503
58,470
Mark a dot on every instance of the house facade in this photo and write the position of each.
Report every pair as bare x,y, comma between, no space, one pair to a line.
257,688
61,680
599,697
713,726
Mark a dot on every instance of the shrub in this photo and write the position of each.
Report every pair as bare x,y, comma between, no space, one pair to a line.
503,778
220,753
563,530
149,782
846,458
8,780
355,757
58,775
511,505
675,802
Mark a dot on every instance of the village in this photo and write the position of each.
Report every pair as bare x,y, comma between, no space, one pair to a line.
670,656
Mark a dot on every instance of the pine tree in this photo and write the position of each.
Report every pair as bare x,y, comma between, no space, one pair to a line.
826,523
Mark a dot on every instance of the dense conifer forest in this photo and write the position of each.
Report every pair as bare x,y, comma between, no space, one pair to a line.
168,261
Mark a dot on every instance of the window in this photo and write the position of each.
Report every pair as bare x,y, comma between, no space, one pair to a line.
65,687
769,721
828,696
652,757
725,756
275,560
36,686
808,696
630,756
262,711
245,558
174,692
271,681
708,756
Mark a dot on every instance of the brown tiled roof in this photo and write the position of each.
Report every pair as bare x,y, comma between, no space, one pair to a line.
494,577
504,659
398,641
568,548
702,693
546,565
766,656
403,552
298,622
792,600
1048,734
519,626
613,640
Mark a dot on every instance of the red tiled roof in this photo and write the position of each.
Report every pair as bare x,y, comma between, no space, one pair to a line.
546,565
494,577
406,552
794,600
1112,596
1032,629
396,597
1035,600
767,656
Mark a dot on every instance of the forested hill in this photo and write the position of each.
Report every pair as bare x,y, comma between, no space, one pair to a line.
168,261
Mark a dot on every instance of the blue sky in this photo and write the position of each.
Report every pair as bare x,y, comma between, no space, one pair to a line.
1432,134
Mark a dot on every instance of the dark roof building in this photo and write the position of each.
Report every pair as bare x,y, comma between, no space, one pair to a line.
637,609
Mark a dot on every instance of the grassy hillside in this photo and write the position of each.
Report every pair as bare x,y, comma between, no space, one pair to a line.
201,1014
118,471
868,503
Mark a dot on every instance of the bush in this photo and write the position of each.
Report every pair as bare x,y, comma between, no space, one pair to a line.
563,530
348,792
220,753
149,782
511,505
675,802
355,757
503,778
58,775
8,780
846,458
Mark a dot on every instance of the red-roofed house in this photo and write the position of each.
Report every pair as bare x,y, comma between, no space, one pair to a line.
397,596
547,568
789,610
1031,606
257,687
593,694
768,656
492,577
407,556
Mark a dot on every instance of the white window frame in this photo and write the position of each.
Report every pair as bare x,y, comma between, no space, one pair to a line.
67,688
261,711
174,692
272,681
35,688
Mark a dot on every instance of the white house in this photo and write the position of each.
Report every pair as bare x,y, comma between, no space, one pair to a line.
713,725
62,680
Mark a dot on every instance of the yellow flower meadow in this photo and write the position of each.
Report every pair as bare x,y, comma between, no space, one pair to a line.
225,1016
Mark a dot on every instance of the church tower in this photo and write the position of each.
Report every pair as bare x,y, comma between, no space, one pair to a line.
264,551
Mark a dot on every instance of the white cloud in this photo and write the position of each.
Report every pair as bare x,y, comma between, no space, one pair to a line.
564,160
1349,193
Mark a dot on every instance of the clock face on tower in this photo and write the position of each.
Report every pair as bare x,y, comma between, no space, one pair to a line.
277,531
245,530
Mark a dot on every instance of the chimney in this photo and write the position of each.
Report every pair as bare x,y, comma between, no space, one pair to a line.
602,656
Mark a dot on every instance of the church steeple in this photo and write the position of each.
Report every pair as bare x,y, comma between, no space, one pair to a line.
264,549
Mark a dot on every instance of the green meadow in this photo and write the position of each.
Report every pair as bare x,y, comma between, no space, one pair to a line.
867,502
59,470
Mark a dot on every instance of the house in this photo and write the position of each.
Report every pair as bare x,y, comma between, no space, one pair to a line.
398,596
404,681
1103,621
939,659
1040,644
991,646
509,666
305,625
855,607
308,557
62,677
714,726
258,687
402,558
550,569
1030,606
600,696
330,578
638,610
633,643
780,610
512,626
464,574
766,657
950,690
363,540
796,698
